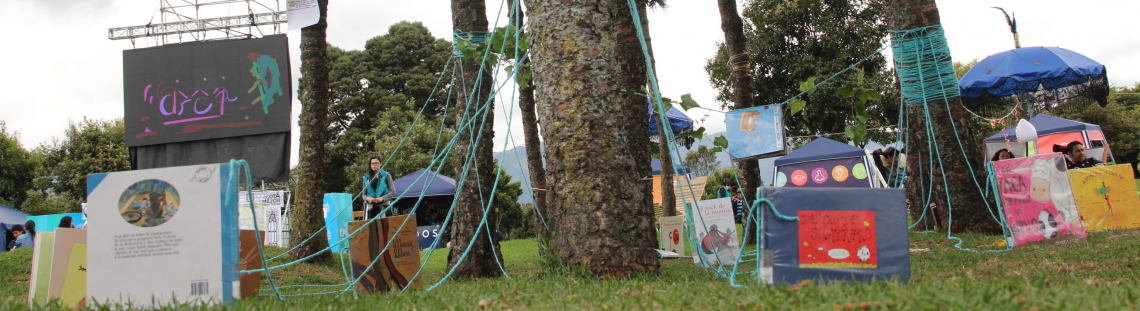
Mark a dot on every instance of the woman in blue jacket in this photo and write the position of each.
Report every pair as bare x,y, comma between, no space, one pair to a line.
378,189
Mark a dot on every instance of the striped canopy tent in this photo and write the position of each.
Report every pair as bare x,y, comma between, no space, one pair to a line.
1051,131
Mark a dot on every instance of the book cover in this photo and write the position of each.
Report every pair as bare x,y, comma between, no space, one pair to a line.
671,234
250,259
74,291
338,212
1038,200
834,234
755,133
44,245
1106,197
715,231
62,257
393,268
162,235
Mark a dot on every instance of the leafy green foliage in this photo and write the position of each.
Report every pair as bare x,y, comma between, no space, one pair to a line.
504,44
61,167
858,95
16,168
702,161
687,102
376,93
792,42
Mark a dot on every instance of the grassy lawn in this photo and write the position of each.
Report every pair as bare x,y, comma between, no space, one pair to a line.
1100,273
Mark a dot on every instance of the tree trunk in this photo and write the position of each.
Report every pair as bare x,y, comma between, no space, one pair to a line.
475,140
668,197
530,136
970,211
733,28
583,56
307,217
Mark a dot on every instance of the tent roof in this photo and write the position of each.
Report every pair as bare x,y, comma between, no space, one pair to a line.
10,215
820,149
442,185
1046,124
656,164
678,121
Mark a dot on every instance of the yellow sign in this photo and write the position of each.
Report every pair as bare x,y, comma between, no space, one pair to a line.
1106,197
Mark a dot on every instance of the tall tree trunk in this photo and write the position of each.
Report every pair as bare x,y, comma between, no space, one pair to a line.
583,56
969,206
467,16
733,28
668,198
307,217
530,135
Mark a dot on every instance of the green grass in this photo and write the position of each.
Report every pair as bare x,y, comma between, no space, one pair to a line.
1099,273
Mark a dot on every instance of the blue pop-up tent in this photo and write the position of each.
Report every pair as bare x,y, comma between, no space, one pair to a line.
436,184
1051,131
827,163
10,215
678,121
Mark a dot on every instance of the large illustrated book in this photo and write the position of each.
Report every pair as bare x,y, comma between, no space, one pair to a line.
162,235
393,268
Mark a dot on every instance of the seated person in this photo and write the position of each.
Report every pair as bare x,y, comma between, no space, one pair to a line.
1076,152
1004,154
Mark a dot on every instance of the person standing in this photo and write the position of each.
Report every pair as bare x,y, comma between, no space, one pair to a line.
378,189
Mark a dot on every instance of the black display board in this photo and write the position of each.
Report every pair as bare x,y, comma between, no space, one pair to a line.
267,154
207,90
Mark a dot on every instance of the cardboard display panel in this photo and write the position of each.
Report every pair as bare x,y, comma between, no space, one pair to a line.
395,266
1106,197
1038,200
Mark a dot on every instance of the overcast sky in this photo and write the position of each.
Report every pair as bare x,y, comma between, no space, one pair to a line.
58,65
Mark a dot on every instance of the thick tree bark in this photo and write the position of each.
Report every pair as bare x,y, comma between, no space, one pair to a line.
471,15
969,206
583,57
307,217
733,28
530,136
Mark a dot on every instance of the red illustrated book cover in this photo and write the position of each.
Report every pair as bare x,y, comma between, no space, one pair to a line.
837,239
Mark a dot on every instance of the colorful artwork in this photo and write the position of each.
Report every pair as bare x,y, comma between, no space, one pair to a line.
162,257
670,235
837,239
826,173
838,234
1038,200
385,256
149,203
755,133
715,231
1106,197
74,292
205,90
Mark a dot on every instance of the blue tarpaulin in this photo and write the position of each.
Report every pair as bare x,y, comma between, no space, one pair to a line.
442,185
1027,70
821,149
677,120
1045,124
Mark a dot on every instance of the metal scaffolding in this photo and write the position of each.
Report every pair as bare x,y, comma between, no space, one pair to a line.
195,20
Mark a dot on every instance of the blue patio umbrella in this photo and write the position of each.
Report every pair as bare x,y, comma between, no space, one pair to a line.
1030,69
